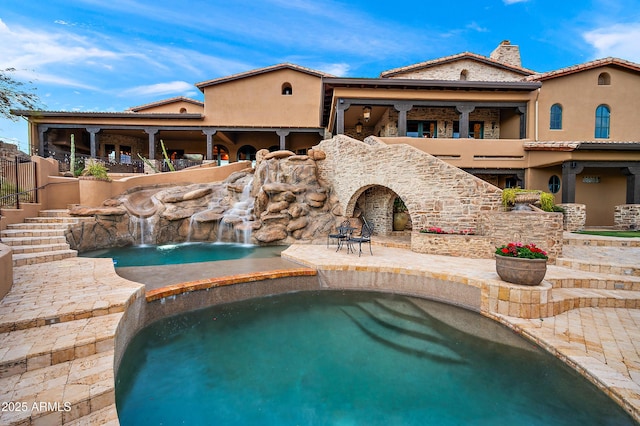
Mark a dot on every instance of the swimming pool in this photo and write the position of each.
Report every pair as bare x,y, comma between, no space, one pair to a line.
173,254
333,357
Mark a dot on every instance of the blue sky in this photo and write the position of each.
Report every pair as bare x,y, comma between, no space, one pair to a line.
97,55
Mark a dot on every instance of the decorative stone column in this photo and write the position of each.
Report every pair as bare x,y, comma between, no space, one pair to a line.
464,111
283,138
341,108
627,217
93,140
210,133
574,217
402,108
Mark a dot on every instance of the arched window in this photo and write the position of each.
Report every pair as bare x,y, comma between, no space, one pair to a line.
603,118
555,122
246,152
287,89
464,74
604,79
183,110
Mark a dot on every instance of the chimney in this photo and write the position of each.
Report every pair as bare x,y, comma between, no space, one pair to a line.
507,53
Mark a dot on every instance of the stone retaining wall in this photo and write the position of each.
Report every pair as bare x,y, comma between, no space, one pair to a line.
495,229
627,217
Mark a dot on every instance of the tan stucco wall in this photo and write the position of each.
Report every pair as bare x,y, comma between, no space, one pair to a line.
258,101
578,112
174,108
6,270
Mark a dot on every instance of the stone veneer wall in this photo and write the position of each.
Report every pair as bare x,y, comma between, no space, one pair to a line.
435,193
476,71
496,229
627,217
575,216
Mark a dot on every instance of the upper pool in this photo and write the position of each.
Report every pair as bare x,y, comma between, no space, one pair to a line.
173,254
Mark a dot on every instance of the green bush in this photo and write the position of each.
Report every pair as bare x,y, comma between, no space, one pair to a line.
96,169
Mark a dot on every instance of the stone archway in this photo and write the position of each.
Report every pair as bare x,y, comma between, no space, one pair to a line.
435,192
375,203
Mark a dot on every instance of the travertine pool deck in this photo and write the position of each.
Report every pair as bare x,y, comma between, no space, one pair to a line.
58,322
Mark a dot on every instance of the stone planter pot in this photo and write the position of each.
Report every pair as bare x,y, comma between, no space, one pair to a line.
400,221
521,271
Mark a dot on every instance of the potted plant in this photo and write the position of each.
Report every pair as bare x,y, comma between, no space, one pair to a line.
519,263
400,215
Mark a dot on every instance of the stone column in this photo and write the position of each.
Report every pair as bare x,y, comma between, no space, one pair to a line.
464,111
633,184
523,121
283,138
569,171
402,108
341,108
42,140
210,133
93,140
152,132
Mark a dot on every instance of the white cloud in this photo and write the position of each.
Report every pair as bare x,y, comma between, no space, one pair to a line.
339,70
619,40
172,87
508,2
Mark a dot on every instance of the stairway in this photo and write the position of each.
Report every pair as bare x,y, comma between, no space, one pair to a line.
40,239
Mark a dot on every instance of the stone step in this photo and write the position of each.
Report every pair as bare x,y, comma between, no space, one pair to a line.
631,270
54,213
12,233
85,385
107,416
565,299
32,225
39,347
29,241
598,241
561,276
39,248
56,219
42,257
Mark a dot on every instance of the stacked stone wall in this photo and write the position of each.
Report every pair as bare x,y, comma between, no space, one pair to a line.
575,216
627,217
435,193
476,71
497,228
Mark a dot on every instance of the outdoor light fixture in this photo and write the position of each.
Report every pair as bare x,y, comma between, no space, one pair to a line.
359,127
366,113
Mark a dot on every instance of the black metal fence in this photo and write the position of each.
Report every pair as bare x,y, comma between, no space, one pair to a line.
18,182
64,163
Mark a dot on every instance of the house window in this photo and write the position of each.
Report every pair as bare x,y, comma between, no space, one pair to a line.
183,110
422,129
287,90
604,79
464,74
603,118
556,117
554,184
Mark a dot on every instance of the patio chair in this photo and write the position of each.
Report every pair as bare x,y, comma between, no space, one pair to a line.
344,231
364,237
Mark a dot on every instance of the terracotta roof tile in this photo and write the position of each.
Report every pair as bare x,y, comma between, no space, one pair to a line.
585,66
258,71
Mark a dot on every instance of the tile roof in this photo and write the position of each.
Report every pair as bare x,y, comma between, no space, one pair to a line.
585,66
259,71
165,102
456,57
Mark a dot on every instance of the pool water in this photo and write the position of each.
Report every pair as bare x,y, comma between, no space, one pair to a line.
348,358
173,254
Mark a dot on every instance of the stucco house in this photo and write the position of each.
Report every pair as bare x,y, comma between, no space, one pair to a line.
570,131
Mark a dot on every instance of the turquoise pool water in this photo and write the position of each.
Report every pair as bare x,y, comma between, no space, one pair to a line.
348,358
173,254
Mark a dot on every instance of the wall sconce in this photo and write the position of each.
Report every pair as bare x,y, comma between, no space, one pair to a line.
366,113
359,127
